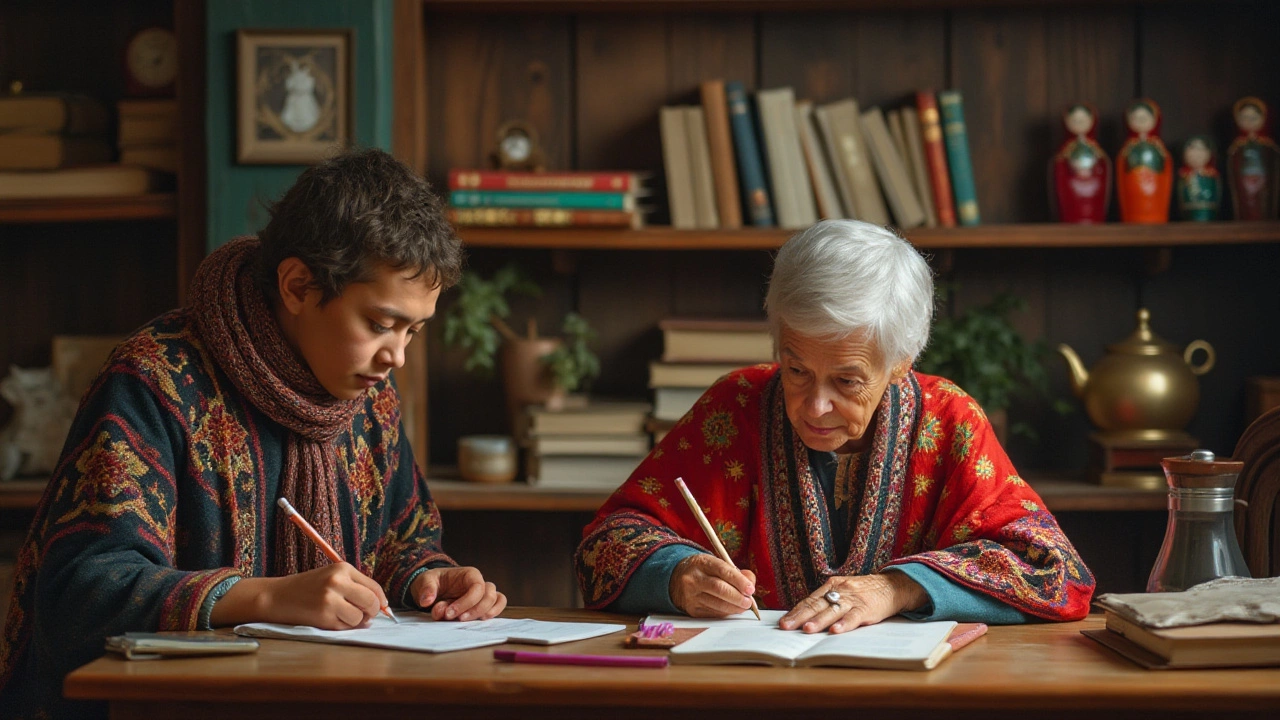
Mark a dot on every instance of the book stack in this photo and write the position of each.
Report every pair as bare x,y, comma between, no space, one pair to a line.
787,162
54,146
147,134
496,198
593,447
1228,622
696,353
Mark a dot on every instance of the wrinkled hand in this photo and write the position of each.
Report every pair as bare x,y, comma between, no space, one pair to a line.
333,597
864,600
457,593
703,585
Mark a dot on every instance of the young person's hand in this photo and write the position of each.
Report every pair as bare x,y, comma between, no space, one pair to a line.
703,585
457,593
334,597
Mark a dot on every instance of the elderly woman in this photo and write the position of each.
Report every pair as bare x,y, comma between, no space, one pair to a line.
847,487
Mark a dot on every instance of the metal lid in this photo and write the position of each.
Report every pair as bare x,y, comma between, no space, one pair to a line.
1143,341
1201,468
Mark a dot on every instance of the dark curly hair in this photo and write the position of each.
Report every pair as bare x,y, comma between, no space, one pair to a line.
352,213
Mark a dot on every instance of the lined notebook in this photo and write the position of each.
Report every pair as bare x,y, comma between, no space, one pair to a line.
894,644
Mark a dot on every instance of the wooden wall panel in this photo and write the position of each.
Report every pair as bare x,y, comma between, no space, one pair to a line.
1197,61
814,53
999,63
898,54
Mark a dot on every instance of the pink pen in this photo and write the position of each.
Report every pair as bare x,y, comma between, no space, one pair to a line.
537,658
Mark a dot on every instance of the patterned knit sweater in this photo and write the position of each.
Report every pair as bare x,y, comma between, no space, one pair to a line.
167,487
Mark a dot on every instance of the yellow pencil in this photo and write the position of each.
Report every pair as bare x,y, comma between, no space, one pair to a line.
315,537
711,533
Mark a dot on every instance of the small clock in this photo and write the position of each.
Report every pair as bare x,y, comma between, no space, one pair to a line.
151,62
517,148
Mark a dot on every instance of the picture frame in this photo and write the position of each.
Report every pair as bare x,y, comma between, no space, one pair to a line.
293,95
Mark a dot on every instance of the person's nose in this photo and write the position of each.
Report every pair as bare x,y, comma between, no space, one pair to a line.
818,401
392,355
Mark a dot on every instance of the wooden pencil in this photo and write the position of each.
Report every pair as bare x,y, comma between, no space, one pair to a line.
711,533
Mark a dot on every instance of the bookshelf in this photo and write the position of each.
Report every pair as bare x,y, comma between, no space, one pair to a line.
1024,235
154,206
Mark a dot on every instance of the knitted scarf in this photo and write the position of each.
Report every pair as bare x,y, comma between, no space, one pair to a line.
240,331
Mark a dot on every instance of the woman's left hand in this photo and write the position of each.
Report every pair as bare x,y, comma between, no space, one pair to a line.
457,593
864,600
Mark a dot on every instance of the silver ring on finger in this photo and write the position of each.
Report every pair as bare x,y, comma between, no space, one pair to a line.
833,598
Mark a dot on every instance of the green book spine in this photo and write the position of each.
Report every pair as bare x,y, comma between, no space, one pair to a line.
956,138
518,199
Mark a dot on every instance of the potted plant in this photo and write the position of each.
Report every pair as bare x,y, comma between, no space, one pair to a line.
536,369
981,351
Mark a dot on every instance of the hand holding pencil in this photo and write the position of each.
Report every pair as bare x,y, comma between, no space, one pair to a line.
703,587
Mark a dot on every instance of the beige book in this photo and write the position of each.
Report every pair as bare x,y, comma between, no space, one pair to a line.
22,151
892,171
53,113
920,171
148,108
675,158
714,340
147,130
607,445
704,188
850,150
893,119
822,119
1223,644
688,375
824,187
156,157
600,417
88,181
792,192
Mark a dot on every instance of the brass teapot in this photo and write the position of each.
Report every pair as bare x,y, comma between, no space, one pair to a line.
1143,388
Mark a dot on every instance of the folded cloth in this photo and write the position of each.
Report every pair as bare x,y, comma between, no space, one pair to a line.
1221,600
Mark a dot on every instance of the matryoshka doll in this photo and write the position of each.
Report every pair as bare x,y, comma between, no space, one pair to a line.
1081,169
1144,168
1253,163
1199,186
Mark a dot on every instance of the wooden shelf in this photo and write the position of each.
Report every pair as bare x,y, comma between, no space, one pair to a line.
558,6
58,210
1036,235
21,494
1060,494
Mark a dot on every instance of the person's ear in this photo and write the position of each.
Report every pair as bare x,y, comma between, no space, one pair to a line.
293,281
900,371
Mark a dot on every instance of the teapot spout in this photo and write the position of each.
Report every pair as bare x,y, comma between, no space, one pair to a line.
1079,376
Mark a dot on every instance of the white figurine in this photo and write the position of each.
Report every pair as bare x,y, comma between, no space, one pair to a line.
32,442
301,111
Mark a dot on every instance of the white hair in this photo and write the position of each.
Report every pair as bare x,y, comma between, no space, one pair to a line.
845,277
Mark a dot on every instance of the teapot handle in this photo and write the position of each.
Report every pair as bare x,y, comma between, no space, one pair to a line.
1207,365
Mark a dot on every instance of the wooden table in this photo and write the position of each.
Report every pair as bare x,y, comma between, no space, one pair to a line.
1040,671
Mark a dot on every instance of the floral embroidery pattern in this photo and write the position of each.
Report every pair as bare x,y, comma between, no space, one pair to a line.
962,441
920,484
729,535
718,429
651,486
984,468
734,470
930,431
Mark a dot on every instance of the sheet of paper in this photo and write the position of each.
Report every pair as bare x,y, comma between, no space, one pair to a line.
541,632
768,618
420,633
788,644
894,638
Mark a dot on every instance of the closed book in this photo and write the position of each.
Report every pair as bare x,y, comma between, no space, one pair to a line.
88,181
679,168
596,418
672,403
891,170
712,340
147,130
626,182
156,157
894,644
628,445
53,113
544,217
851,157
581,472
1221,644
893,119
956,137
822,125
792,192
824,186
746,143
704,187
935,156
915,161
533,199
687,374
21,151
147,108
724,170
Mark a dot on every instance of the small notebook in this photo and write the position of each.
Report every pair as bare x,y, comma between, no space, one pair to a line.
419,633
894,644
152,646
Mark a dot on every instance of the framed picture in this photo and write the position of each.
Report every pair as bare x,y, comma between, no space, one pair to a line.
293,95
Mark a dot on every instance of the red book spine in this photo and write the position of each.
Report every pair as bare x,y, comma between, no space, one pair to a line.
542,217
935,155
570,182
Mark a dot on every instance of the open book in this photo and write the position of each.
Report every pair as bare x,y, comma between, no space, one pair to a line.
418,632
894,644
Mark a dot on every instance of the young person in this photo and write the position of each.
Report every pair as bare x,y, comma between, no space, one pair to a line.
274,381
